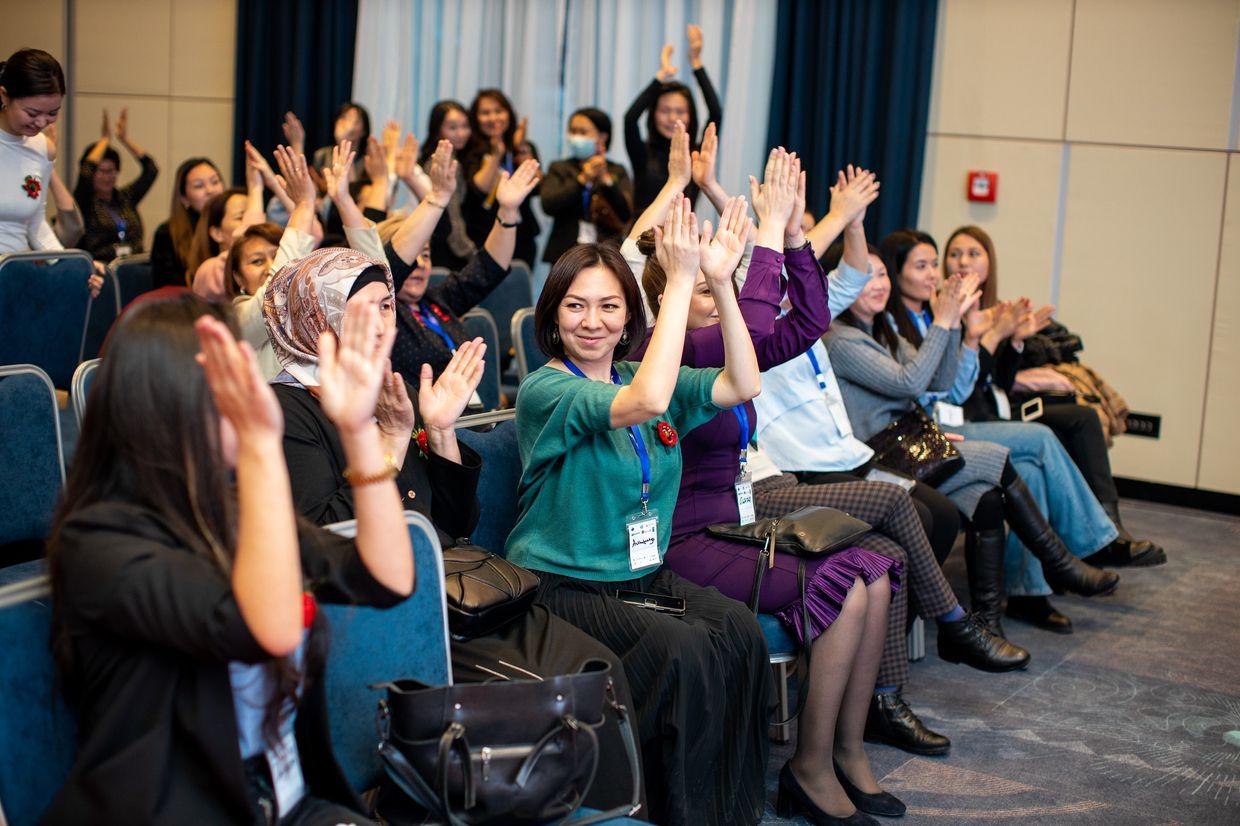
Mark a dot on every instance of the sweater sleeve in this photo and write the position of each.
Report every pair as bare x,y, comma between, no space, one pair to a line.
633,142
137,190
858,358
809,317
714,109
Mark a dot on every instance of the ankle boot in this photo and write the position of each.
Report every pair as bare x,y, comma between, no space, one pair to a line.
1062,569
983,559
1126,550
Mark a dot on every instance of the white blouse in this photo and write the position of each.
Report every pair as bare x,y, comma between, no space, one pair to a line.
25,174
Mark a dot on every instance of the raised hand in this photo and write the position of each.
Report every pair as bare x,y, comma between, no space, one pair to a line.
122,125
718,256
294,133
336,176
443,172
254,158
774,199
978,323
352,369
391,143
694,33
794,229
518,137
294,177
855,189
593,169
393,409
105,130
704,159
666,70
514,189
679,161
443,402
408,170
242,395
375,161
1031,322
677,243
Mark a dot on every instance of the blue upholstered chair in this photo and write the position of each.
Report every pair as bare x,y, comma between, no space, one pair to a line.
80,387
529,356
370,646
437,276
100,316
32,463
43,304
37,728
479,324
132,274
509,296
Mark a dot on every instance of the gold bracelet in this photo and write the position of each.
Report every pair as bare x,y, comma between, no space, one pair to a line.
428,199
358,480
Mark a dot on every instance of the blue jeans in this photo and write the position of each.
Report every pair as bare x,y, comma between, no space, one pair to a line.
1062,494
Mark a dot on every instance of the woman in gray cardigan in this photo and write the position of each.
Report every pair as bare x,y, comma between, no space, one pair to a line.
881,376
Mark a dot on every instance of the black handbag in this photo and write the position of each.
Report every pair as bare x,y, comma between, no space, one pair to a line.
498,752
913,444
484,591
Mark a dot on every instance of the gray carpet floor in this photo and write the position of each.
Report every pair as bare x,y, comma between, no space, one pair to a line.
1133,719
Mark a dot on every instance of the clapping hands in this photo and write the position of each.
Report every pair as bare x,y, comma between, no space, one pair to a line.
336,176
514,189
294,177
718,256
855,189
679,161
442,401
678,244
354,367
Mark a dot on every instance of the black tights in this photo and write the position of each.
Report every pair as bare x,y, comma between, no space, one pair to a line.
988,516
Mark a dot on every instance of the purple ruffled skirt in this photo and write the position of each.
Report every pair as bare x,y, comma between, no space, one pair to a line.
828,585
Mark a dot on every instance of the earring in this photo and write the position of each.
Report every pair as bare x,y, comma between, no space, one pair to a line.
624,337
555,335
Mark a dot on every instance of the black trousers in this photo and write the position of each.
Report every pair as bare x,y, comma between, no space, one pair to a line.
1080,430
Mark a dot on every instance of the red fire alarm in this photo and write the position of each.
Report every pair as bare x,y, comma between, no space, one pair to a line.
982,186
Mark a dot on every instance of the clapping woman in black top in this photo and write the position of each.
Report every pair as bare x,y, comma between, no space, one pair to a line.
185,586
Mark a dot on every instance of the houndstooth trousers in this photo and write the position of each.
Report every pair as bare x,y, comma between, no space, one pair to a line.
897,534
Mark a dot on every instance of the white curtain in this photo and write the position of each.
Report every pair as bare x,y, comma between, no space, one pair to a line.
554,56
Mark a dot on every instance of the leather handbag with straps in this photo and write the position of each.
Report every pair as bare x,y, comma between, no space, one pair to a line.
498,752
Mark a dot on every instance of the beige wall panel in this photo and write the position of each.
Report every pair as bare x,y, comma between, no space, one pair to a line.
38,24
1021,221
123,46
203,128
1220,439
1153,73
148,127
204,34
1001,68
1139,255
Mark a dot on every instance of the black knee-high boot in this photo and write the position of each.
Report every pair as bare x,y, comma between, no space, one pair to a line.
1063,570
977,639
983,556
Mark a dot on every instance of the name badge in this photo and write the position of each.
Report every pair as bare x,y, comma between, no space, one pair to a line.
286,777
744,499
1002,404
949,415
587,233
643,540
122,249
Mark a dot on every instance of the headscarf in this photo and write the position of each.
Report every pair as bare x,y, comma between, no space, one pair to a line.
307,297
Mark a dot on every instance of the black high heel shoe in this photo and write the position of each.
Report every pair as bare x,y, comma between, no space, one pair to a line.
793,800
883,804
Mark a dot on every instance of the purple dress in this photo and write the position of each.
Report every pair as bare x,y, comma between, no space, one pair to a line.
711,455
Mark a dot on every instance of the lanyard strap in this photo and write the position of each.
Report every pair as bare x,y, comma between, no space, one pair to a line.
635,435
118,219
506,163
432,322
587,192
742,417
813,359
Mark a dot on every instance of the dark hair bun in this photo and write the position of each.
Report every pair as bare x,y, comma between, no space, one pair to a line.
645,243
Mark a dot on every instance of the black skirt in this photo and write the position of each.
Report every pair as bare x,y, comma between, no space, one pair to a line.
703,689
540,645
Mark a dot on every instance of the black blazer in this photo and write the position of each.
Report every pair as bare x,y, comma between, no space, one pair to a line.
480,218
561,196
152,629
998,370
443,491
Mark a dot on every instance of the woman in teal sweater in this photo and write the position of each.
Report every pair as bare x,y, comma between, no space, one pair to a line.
598,439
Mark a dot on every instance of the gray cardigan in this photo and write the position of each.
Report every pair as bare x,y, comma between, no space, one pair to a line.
877,388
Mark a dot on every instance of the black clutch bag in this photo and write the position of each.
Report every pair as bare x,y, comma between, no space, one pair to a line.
914,445
484,591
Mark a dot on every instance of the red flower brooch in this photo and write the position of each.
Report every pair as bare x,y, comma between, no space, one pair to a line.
32,187
309,608
667,433
419,436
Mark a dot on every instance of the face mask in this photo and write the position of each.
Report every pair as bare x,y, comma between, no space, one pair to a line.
581,148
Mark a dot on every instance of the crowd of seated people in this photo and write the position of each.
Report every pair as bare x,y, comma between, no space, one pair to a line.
301,369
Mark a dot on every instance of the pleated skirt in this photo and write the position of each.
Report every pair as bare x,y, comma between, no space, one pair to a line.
702,691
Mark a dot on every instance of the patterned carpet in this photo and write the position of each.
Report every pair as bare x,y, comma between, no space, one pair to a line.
1134,719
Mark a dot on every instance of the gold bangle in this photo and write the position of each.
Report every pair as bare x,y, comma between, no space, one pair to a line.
358,480
428,199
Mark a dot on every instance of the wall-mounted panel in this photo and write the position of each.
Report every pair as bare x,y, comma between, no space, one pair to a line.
1139,255
204,47
1220,438
1021,222
1153,73
987,50
123,46
202,128
36,24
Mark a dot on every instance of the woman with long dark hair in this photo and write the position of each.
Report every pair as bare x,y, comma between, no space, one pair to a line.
498,144
196,182
185,587
451,245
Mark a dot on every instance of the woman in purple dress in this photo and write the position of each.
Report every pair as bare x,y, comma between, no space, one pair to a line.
847,593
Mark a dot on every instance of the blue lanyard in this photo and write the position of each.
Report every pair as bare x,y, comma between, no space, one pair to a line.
922,320
432,322
813,359
586,192
635,435
121,224
506,163
742,417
